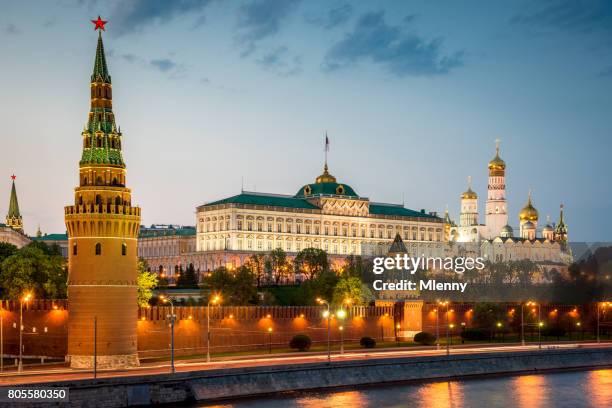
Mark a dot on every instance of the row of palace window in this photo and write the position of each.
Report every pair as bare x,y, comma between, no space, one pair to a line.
98,249
424,235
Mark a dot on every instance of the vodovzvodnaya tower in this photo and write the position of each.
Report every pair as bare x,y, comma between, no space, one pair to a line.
102,229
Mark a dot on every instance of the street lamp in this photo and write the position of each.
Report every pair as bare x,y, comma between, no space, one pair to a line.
216,299
327,315
397,328
341,315
26,298
270,333
603,305
445,303
172,317
437,329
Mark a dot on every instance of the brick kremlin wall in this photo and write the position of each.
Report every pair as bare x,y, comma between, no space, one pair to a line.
246,328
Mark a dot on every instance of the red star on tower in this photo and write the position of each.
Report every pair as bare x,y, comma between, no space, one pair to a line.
13,177
99,24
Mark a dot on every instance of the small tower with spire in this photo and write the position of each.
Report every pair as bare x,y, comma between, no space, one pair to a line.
13,218
561,228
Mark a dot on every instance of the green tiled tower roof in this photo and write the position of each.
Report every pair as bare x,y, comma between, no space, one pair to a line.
100,72
13,211
102,138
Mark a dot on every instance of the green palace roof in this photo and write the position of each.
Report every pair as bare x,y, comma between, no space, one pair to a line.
167,232
284,201
328,188
52,237
271,200
398,210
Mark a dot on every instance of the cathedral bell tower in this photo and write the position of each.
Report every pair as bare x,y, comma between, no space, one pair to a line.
496,214
102,230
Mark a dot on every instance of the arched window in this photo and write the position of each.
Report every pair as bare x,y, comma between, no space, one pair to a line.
124,249
117,200
74,249
98,249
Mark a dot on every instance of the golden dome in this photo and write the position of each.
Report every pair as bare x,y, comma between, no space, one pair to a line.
325,177
469,194
528,213
497,163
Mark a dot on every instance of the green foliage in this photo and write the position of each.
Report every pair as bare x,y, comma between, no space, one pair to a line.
49,250
236,288
301,342
487,315
425,338
188,278
352,288
278,264
311,262
146,281
257,264
6,250
367,342
31,269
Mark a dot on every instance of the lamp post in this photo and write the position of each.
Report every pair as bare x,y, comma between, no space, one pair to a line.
522,326
437,329
397,328
270,333
25,298
447,331
327,315
172,317
341,315
216,299
540,324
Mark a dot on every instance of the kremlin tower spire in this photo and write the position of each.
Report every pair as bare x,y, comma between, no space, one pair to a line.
13,218
102,230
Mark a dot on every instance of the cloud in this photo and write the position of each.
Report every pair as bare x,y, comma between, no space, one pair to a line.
281,62
261,19
134,15
333,18
569,15
400,52
12,29
164,65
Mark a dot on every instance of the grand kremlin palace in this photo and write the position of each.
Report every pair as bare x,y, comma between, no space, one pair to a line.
325,214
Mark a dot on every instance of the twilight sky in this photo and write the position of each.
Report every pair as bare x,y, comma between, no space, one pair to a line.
412,95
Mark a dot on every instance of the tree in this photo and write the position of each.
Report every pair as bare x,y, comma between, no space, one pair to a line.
278,264
311,262
6,250
50,250
257,263
236,288
351,288
188,278
30,269
145,281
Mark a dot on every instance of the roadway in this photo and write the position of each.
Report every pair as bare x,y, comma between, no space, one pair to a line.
51,373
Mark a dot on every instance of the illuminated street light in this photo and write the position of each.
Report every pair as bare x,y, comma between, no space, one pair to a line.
172,317
215,300
26,298
327,315
270,333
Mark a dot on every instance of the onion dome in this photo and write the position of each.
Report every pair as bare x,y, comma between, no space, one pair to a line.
469,194
497,166
548,228
528,213
507,232
326,184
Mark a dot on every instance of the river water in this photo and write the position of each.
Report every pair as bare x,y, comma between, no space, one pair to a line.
574,389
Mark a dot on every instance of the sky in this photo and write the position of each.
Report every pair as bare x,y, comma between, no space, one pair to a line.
215,95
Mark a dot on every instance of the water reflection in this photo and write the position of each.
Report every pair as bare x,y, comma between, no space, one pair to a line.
567,389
